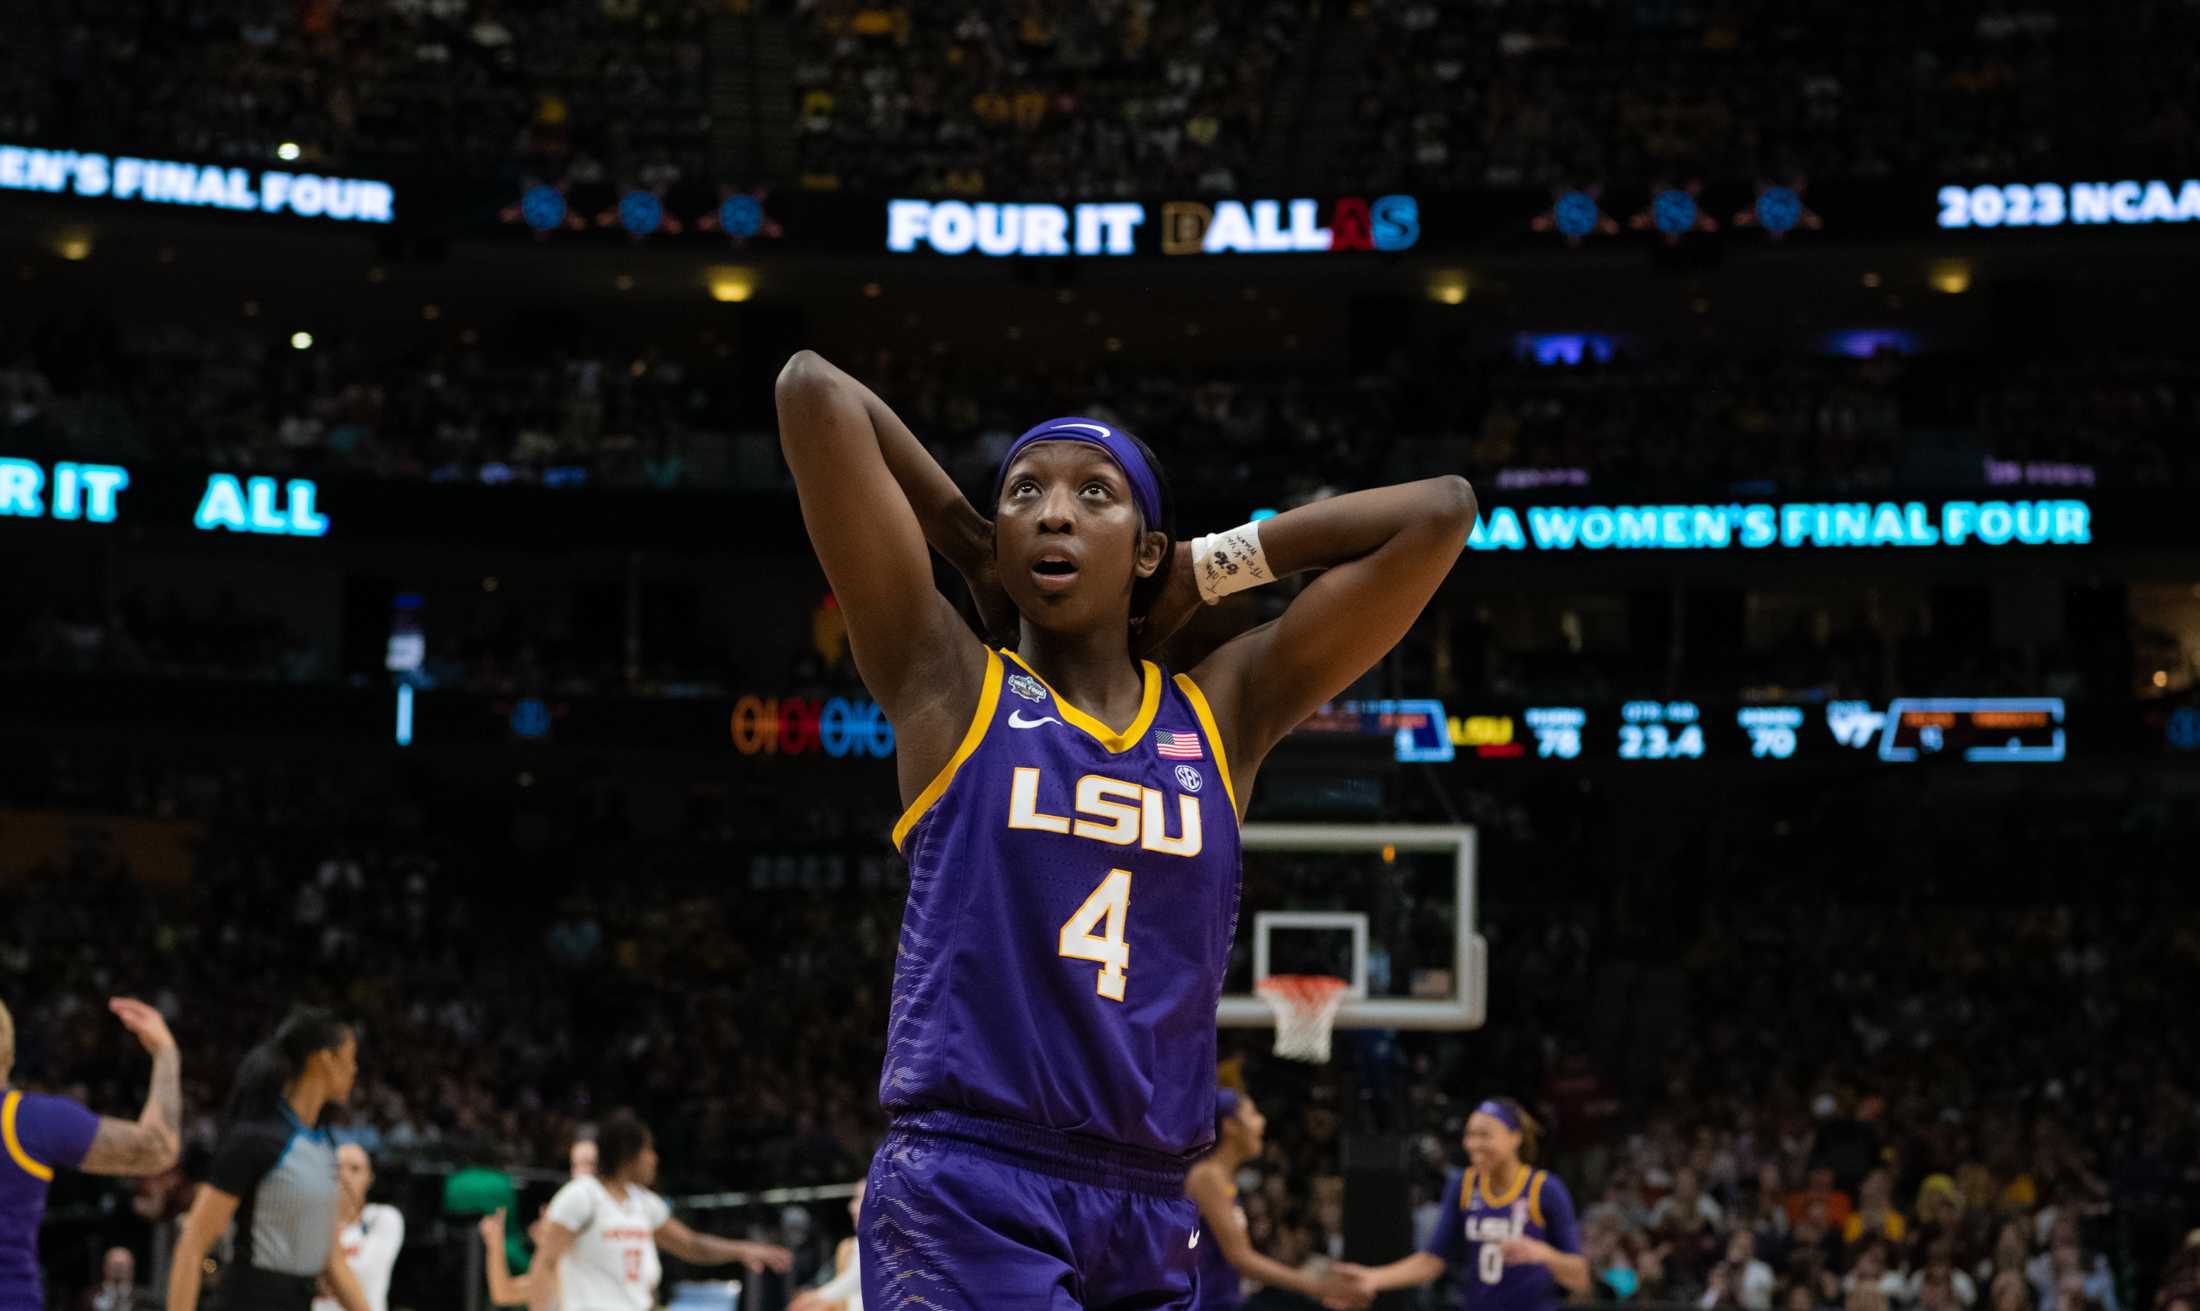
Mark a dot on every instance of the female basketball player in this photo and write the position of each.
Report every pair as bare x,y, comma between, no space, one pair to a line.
1071,826
599,1243
1515,1222
1226,1251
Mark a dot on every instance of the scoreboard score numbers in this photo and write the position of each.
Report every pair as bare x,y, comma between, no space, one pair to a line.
1907,729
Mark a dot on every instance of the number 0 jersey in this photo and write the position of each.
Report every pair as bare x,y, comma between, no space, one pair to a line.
1473,1223
1072,896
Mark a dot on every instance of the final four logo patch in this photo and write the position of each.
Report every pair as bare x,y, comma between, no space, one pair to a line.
1027,687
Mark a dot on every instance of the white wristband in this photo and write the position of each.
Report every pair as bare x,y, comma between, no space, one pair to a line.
1223,563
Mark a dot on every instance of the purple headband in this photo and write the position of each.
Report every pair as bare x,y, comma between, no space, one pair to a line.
1501,1113
1145,486
1226,1105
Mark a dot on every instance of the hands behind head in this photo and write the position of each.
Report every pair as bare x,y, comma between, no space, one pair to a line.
145,1022
997,616
1178,602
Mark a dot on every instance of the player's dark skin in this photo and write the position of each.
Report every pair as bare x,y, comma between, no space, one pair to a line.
873,499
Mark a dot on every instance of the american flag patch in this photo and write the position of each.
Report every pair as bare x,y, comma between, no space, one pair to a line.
1177,746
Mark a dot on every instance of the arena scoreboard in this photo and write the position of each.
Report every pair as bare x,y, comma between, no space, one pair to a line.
1652,730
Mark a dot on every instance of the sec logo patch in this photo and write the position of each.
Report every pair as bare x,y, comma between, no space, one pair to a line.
1188,778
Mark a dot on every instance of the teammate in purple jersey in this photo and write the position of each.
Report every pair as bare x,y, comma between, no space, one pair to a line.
40,1135
1512,1224
1226,1253
1071,827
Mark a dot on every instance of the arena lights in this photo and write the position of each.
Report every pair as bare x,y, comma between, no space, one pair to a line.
1186,227
2055,204
1565,347
1950,277
732,285
1794,524
205,186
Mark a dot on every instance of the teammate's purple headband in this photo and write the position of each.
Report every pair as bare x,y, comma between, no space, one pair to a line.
1501,1113
1226,1105
1145,486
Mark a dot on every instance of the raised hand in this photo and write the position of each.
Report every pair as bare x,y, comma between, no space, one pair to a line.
145,1023
492,1229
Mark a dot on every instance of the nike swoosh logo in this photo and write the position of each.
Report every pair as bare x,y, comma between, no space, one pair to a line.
1195,1239
1016,720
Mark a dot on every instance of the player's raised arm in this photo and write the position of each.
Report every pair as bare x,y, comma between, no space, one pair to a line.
150,1143
1385,551
868,525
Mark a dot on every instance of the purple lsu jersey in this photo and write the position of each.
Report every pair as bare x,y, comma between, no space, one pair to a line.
1072,895
38,1135
1472,1224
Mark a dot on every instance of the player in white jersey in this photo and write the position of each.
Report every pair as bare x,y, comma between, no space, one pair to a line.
602,1234
371,1234
844,1291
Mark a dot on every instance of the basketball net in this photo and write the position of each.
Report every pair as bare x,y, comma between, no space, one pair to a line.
1306,1008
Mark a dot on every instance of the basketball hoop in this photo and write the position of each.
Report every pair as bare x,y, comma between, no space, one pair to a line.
1306,1011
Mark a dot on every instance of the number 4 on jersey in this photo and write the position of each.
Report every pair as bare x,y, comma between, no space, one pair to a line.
1108,906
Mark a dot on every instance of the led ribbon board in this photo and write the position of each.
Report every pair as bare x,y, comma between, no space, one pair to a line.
1988,730
91,175
1792,525
2129,203
1185,227
93,493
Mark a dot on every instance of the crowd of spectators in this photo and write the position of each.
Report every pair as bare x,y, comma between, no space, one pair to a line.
443,406
1509,94
569,87
1496,94
1119,97
1758,1100
442,410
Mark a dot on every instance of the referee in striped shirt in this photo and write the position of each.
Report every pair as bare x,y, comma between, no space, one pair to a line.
274,1174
